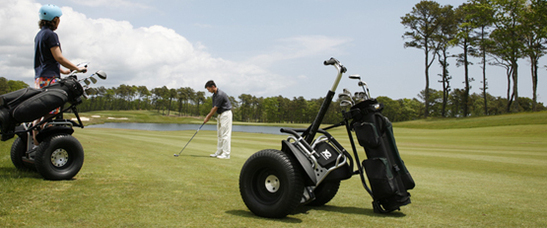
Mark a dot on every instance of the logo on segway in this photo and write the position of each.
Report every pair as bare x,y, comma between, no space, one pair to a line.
326,154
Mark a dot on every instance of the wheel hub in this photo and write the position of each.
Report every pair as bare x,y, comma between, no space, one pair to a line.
272,183
59,158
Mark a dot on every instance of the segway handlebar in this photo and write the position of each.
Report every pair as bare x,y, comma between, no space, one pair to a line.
339,67
331,61
312,130
336,63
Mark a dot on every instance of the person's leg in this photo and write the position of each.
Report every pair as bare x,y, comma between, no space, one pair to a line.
225,134
38,84
219,149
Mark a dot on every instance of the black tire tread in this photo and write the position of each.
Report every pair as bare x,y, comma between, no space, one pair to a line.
43,153
18,150
325,192
275,159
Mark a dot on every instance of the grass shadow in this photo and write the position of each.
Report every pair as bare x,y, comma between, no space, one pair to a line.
248,214
199,156
348,210
13,173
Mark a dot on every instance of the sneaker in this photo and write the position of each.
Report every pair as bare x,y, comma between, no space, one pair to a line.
224,156
216,154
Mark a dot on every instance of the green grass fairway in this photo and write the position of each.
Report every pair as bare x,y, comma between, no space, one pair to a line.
494,176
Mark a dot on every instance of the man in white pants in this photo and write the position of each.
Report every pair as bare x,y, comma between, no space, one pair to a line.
222,106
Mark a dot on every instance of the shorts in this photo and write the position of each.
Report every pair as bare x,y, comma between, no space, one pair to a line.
41,82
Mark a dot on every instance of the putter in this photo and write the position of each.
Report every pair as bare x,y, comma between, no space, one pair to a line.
176,155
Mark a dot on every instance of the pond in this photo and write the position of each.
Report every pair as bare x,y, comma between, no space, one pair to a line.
181,127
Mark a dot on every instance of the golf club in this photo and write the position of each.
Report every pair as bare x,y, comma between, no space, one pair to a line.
362,84
176,155
346,103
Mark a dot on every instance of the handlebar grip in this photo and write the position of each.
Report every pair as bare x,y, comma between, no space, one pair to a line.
288,130
331,61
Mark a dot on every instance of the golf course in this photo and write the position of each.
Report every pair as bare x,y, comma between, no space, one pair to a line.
469,172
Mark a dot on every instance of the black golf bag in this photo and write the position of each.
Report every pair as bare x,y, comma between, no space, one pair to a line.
29,104
386,171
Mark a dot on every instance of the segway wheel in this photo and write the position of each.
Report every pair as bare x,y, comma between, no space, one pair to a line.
325,192
59,157
18,155
271,184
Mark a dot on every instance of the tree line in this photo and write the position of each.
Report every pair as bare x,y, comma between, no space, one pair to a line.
494,32
185,101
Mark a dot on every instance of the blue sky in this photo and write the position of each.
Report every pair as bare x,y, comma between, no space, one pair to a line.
263,48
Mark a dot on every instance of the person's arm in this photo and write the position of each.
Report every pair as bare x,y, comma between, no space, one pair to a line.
64,71
211,113
58,55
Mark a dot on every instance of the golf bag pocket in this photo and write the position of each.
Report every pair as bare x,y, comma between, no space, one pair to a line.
327,154
14,98
380,177
39,105
367,135
6,125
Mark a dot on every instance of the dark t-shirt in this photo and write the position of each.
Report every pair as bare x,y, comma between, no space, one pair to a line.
221,101
45,64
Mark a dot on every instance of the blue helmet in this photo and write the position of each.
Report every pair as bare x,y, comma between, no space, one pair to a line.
48,12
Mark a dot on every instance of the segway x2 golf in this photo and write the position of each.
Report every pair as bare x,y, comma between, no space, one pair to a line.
59,156
308,170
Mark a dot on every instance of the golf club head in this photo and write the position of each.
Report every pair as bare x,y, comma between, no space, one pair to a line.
87,81
93,80
346,103
344,97
101,74
346,91
360,96
176,155
355,76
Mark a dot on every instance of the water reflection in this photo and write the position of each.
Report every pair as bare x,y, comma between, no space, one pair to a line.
181,127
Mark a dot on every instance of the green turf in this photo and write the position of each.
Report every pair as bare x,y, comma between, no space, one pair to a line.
523,118
490,176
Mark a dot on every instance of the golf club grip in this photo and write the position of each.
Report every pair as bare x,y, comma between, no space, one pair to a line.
331,61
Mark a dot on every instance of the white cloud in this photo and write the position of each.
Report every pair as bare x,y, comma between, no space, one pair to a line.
299,47
16,42
152,56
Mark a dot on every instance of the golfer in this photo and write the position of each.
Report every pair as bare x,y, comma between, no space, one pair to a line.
222,106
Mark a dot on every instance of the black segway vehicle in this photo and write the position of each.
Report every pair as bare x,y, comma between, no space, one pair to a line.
59,156
308,170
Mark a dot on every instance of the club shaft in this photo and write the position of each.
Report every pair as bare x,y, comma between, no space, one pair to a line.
191,139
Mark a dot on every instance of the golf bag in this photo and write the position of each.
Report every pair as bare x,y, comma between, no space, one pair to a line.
29,104
387,174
